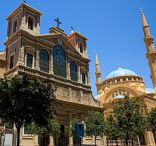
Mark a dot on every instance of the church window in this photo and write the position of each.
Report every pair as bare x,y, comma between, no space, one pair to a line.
29,60
73,71
44,60
15,26
11,62
83,76
30,23
59,61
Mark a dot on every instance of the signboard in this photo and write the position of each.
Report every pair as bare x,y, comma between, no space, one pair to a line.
79,130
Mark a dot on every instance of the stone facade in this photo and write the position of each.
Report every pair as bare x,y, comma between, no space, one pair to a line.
23,46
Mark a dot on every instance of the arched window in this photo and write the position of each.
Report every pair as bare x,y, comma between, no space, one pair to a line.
81,48
44,60
59,61
30,23
15,26
73,71
83,77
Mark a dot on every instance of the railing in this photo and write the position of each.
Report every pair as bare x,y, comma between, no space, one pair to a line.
122,143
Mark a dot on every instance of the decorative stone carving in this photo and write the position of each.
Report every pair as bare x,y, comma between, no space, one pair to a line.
62,93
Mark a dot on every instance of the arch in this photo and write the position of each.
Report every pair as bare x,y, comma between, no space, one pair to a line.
15,26
81,48
30,23
73,71
59,61
44,60
126,89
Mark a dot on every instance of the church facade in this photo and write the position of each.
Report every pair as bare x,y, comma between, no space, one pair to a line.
57,56
123,82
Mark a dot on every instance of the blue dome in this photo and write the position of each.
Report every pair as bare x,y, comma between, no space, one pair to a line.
121,72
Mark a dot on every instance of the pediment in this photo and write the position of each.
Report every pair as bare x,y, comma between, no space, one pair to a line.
62,41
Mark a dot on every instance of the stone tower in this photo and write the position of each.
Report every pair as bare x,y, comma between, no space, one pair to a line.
24,20
151,52
98,74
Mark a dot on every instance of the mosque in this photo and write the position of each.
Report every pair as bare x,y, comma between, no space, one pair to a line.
123,82
63,59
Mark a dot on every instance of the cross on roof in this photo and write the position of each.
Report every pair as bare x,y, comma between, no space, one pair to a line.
58,22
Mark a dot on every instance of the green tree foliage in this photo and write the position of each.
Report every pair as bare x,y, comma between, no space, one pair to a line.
70,127
151,119
52,128
111,128
129,117
95,124
24,99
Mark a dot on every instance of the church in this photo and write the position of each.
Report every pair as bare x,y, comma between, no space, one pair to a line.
57,56
63,59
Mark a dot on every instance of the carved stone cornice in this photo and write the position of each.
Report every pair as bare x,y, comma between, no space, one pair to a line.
56,79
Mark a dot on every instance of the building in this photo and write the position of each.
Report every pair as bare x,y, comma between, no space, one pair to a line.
123,82
60,57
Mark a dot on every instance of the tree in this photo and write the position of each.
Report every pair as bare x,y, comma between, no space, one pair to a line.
95,124
151,120
25,99
129,117
70,127
52,128
111,128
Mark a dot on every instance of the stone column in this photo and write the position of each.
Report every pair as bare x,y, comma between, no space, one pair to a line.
21,135
149,138
68,69
37,60
51,71
14,135
88,78
70,136
51,141
103,140
79,74
36,140
37,25
70,141
21,59
82,121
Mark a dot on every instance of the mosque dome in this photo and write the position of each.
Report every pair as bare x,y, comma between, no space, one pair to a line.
121,72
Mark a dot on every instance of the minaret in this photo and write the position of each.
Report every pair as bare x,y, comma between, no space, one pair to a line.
98,74
151,52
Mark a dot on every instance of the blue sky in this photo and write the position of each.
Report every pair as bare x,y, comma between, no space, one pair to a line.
113,28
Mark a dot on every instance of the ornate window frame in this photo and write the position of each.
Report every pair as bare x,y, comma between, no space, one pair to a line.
33,22
46,61
59,61
13,28
73,71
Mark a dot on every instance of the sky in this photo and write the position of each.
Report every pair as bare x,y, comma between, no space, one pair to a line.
113,29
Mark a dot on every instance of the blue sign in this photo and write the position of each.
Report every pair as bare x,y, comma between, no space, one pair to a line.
79,130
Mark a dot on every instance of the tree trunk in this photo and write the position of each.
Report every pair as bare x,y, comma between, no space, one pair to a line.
18,135
95,140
